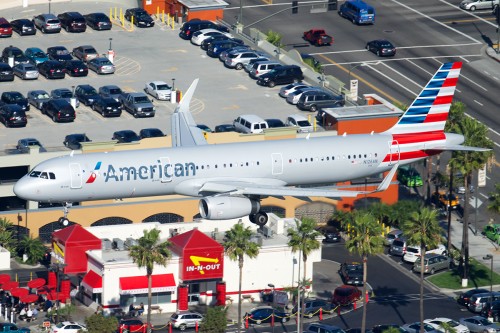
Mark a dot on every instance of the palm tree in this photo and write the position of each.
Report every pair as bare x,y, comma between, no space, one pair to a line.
33,248
467,162
6,237
148,253
423,229
237,245
366,240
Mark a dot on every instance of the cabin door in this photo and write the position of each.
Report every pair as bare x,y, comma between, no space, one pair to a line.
76,175
277,160
394,152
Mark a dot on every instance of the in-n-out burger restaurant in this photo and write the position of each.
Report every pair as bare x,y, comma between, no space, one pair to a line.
198,271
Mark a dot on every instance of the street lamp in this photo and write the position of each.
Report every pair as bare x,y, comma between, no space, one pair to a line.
274,303
173,84
57,268
490,257
110,39
49,5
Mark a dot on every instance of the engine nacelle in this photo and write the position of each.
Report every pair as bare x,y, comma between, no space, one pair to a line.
225,208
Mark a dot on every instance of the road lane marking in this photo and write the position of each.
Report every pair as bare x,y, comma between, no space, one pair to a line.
403,76
392,80
468,12
397,59
478,102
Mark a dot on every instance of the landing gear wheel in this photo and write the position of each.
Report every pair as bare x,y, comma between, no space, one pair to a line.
260,219
63,221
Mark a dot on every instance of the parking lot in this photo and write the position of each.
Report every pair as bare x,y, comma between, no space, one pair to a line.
141,55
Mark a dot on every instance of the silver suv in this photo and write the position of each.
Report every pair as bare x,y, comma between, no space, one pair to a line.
185,319
237,60
47,23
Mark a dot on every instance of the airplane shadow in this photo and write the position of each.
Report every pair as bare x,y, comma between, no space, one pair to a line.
389,297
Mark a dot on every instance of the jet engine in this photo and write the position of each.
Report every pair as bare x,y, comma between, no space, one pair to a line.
224,207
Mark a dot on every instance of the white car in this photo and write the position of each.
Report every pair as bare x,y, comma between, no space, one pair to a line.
200,35
67,327
413,252
436,323
297,120
159,90
289,88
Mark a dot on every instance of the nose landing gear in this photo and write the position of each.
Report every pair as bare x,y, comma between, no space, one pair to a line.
64,220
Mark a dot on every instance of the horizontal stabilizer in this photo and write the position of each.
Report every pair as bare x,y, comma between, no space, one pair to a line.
460,148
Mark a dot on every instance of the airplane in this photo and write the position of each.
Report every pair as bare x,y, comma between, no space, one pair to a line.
232,178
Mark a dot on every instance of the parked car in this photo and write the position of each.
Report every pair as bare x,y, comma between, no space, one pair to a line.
294,96
12,115
238,60
492,232
478,301
415,328
224,128
191,26
478,324
432,263
98,21
110,91
281,75
36,55
383,327
23,27
409,176
64,93
391,236
101,66
85,53
37,98
345,295
26,71
312,306
5,28
159,90
331,234
47,23
16,53
413,252
262,67
398,246
491,310
125,136
151,133
209,41
275,123
52,69
72,22
289,88
68,327
74,141
76,68
315,99
141,17
185,319
352,273
249,66
381,47
59,110
238,48
59,53
15,97
86,94
107,106
204,128
438,324
464,297
200,35
300,122
215,49
472,5
23,145
461,189
134,325
323,328
445,200
6,72
264,314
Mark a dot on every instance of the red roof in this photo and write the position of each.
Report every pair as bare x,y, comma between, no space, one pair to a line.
75,233
139,284
193,240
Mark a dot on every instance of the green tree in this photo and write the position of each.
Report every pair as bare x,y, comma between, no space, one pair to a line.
274,38
423,230
341,219
6,236
401,211
97,323
446,327
237,245
365,239
215,320
494,198
33,248
148,253
466,162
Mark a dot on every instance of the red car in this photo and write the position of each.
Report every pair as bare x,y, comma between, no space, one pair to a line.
345,295
5,28
318,37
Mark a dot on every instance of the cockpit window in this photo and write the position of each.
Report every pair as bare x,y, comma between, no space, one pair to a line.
35,174
43,175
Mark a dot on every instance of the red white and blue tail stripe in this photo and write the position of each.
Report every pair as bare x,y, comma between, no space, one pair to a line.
429,111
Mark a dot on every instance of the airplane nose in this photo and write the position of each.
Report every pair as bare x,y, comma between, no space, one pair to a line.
23,189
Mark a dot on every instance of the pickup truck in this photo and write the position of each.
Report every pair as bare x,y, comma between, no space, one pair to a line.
138,104
318,37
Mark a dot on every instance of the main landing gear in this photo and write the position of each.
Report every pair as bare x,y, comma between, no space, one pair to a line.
64,220
259,218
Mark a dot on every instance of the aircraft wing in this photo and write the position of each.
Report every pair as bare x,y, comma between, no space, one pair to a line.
260,188
184,130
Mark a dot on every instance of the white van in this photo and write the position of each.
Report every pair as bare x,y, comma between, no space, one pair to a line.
250,123
262,67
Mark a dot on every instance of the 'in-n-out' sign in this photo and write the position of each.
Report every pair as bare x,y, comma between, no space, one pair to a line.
202,264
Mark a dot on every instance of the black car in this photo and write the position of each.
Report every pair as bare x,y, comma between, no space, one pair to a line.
208,41
110,91
64,93
11,115
59,53
281,75
59,110
107,107
125,136
151,133
72,22
86,94
98,21
6,72
16,53
275,123
191,26
381,47
51,69
491,310
15,97
331,234
264,314
217,47
23,27
224,128
463,298
142,19
76,68
352,273
74,141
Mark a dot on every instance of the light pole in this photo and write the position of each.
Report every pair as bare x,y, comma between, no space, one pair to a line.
299,295
57,268
173,84
274,304
490,257
49,5
110,39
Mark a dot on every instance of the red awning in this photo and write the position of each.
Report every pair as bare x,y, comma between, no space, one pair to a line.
139,284
36,283
18,292
92,282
